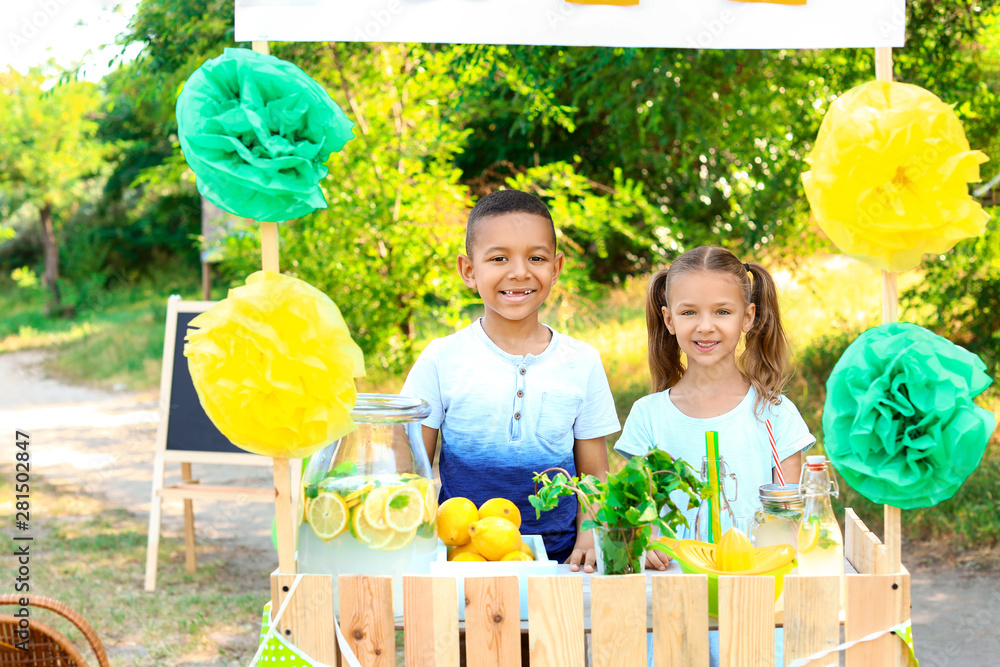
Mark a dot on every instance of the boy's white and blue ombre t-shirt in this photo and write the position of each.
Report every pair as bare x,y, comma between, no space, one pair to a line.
655,421
504,417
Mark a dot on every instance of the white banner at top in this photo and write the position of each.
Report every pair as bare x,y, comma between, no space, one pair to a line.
695,24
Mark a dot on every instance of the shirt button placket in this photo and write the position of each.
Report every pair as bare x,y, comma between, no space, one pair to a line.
519,402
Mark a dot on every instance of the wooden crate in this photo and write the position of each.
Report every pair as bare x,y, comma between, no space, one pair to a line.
619,618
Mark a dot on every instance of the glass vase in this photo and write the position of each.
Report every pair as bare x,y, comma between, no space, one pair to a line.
620,550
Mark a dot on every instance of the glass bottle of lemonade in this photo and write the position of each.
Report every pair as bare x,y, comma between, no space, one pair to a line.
369,500
819,541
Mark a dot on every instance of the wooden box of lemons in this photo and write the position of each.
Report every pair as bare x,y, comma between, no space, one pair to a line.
490,532
734,554
383,513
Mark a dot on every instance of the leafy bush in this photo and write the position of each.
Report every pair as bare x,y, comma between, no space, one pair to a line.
961,295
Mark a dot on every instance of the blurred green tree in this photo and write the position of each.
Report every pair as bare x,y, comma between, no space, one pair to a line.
48,155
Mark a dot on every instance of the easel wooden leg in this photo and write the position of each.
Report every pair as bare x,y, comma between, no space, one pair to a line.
190,561
155,509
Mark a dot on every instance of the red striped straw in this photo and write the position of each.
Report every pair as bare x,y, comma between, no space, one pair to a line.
774,452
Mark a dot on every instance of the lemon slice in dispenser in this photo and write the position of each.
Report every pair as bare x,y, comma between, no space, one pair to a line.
428,491
327,514
399,540
375,506
808,537
404,509
366,533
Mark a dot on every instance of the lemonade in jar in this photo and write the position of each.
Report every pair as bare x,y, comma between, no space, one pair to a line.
368,501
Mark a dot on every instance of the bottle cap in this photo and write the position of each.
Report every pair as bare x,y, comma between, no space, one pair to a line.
816,461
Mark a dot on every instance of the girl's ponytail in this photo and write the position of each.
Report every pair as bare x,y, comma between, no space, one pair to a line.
765,358
664,352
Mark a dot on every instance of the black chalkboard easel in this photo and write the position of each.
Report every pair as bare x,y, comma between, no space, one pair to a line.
186,435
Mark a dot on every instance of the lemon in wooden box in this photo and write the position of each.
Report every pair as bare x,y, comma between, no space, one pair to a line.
539,565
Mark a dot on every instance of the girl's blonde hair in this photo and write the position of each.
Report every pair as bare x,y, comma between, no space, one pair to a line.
764,361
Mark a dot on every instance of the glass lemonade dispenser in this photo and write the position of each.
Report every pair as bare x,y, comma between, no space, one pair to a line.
368,501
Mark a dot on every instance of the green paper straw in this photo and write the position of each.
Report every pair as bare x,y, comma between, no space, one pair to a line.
714,506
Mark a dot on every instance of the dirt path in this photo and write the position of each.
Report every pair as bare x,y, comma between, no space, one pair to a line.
102,442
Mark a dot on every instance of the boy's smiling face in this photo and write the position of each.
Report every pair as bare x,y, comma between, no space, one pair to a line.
513,265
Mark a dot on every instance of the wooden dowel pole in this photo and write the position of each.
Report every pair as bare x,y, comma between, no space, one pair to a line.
269,246
890,313
284,505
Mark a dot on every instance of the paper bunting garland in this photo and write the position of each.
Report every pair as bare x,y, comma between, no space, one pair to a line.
274,366
899,422
257,131
890,174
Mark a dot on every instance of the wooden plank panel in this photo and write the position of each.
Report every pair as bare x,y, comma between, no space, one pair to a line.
492,622
869,550
876,602
555,627
618,620
680,621
746,621
812,617
854,529
430,612
308,620
366,618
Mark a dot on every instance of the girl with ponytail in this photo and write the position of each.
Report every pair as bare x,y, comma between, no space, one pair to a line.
718,356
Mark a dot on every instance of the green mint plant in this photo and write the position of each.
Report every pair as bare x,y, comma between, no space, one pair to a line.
627,505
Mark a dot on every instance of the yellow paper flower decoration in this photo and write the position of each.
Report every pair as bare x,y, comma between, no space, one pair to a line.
274,366
890,174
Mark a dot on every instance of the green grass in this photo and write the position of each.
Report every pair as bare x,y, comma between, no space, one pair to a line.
116,336
92,557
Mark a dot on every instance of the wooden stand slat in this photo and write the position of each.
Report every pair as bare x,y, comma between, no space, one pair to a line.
876,602
746,621
871,545
680,621
812,617
283,516
430,607
618,620
893,539
308,620
366,618
555,636
883,63
854,537
492,622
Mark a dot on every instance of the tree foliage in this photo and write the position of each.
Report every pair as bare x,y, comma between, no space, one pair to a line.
641,153
48,154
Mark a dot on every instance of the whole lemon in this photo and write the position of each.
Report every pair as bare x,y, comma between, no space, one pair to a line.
468,556
517,555
453,519
494,537
527,550
464,549
502,508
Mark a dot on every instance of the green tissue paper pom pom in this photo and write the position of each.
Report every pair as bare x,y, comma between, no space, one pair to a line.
257,131
900,424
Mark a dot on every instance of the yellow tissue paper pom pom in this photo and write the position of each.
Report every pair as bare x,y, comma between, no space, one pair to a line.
890,174
274,366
